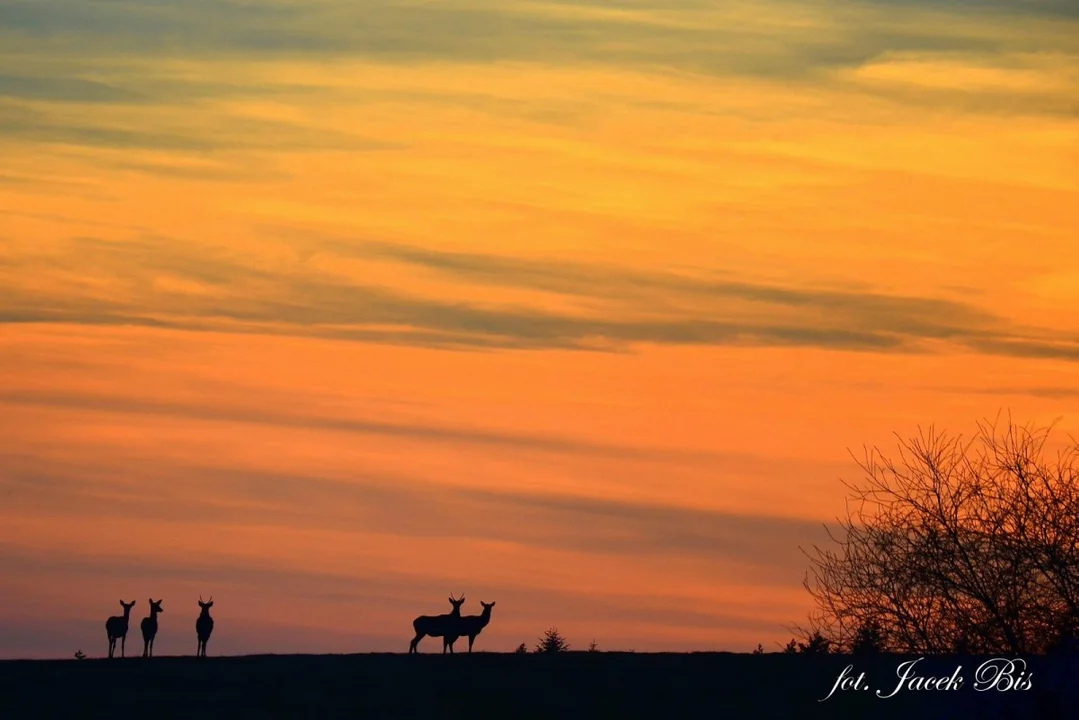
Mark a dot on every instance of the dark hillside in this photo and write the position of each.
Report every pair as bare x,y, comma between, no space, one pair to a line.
564,685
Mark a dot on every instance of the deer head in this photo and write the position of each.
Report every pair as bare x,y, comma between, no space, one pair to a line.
155,607
127,606
457,603
206,605
487,606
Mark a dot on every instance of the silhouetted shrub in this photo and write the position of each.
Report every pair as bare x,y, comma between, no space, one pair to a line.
791,647
1065,641
521,649
552,642
759,650
592,647
80,655
868,640
816,645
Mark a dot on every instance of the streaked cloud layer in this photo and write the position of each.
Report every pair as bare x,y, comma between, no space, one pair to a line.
339,307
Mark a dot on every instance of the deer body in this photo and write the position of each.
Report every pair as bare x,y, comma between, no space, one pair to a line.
149,629
443,626
471,625
204,626
116,628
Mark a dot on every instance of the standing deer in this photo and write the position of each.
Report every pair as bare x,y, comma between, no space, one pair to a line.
204,625
471,625
443,626
149,629
116,627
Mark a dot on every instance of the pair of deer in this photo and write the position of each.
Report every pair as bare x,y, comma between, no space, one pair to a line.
451,626
116,627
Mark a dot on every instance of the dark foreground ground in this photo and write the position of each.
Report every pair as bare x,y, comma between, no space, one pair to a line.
491,685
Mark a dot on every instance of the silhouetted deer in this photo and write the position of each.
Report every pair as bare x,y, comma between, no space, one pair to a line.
443,626
149,629
471,625
116,627
204,625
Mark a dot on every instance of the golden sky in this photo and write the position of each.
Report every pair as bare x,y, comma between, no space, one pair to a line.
330,309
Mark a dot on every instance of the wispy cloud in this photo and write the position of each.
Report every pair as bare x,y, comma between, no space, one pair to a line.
765,547
20,123
1041,391
778,39
63,88
163,282
414,431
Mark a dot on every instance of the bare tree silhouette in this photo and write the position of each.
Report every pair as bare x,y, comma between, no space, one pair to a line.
471,625
116,627
956,546
443,626
149,629
204,625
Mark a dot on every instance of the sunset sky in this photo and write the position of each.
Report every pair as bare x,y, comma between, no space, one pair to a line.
331,308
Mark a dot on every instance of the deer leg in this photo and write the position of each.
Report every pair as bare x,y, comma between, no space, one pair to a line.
471,639
123,646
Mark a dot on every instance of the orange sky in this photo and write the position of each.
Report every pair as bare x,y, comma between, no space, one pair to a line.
331,309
